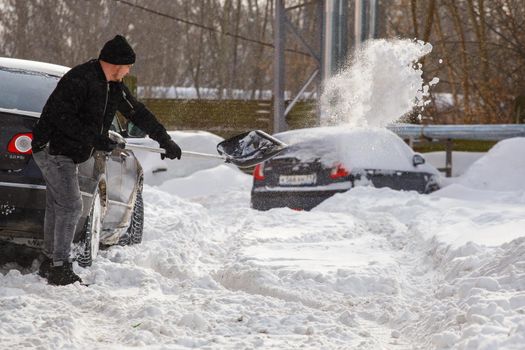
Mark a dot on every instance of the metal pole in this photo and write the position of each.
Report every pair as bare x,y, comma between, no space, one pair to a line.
358,28
342,35
372,29
448,157
301,92
327,7
279,123
361,23
320,40
328,41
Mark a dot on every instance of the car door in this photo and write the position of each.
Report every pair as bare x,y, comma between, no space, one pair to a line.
121,181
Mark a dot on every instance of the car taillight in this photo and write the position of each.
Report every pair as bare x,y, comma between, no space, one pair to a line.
258,172
338,171
20,144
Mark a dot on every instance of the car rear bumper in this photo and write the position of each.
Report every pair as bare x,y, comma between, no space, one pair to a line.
22,210
303,200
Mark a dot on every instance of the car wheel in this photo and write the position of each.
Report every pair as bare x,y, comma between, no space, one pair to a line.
90,241
133,234
431,186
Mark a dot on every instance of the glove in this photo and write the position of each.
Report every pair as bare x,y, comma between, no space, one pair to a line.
172,150
104,143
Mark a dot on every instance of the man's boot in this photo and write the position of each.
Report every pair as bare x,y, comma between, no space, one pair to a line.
62,275
45,266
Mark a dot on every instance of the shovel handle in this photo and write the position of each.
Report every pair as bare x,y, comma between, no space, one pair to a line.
184,153
202,155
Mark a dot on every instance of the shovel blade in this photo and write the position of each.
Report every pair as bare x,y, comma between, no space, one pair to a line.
250,148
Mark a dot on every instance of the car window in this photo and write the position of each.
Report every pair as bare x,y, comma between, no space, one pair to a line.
115,125
134,131
25,90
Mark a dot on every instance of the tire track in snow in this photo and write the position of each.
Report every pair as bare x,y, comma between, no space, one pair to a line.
244,273
404,312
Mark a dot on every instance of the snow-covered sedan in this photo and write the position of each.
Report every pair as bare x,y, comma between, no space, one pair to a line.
321,162
111,184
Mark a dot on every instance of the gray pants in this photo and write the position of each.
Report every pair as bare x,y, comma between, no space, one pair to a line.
63,203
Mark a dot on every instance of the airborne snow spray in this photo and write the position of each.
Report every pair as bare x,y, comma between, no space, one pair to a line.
381,83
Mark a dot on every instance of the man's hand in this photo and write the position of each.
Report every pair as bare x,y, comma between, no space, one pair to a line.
172,150
104,143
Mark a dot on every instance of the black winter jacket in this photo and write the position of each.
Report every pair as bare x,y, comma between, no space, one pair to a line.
81,109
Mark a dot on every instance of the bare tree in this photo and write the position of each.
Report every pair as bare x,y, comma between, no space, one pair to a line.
199,43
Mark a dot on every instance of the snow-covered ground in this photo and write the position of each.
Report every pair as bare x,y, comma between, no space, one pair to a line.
366,269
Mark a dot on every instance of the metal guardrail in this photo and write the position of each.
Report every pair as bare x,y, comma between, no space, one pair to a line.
449,133
487,132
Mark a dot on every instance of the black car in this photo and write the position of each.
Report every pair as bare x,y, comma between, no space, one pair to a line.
111,184
321,162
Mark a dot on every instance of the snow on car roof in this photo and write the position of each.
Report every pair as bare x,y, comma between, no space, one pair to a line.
47,68
358,147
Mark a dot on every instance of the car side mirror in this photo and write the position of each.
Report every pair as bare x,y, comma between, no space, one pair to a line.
418,159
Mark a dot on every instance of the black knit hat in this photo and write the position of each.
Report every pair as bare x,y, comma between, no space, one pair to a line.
117,51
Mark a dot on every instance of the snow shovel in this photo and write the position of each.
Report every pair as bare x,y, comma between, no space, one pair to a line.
244,150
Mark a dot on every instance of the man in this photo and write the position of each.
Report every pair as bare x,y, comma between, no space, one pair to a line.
74,123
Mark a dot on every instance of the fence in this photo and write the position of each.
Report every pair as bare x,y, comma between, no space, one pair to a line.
226,117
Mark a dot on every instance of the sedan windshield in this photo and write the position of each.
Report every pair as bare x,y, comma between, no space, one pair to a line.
25,90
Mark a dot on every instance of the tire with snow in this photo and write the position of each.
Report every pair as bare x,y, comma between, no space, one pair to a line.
89,243
134,233
431,186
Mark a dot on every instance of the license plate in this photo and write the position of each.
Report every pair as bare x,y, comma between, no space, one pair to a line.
309,179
